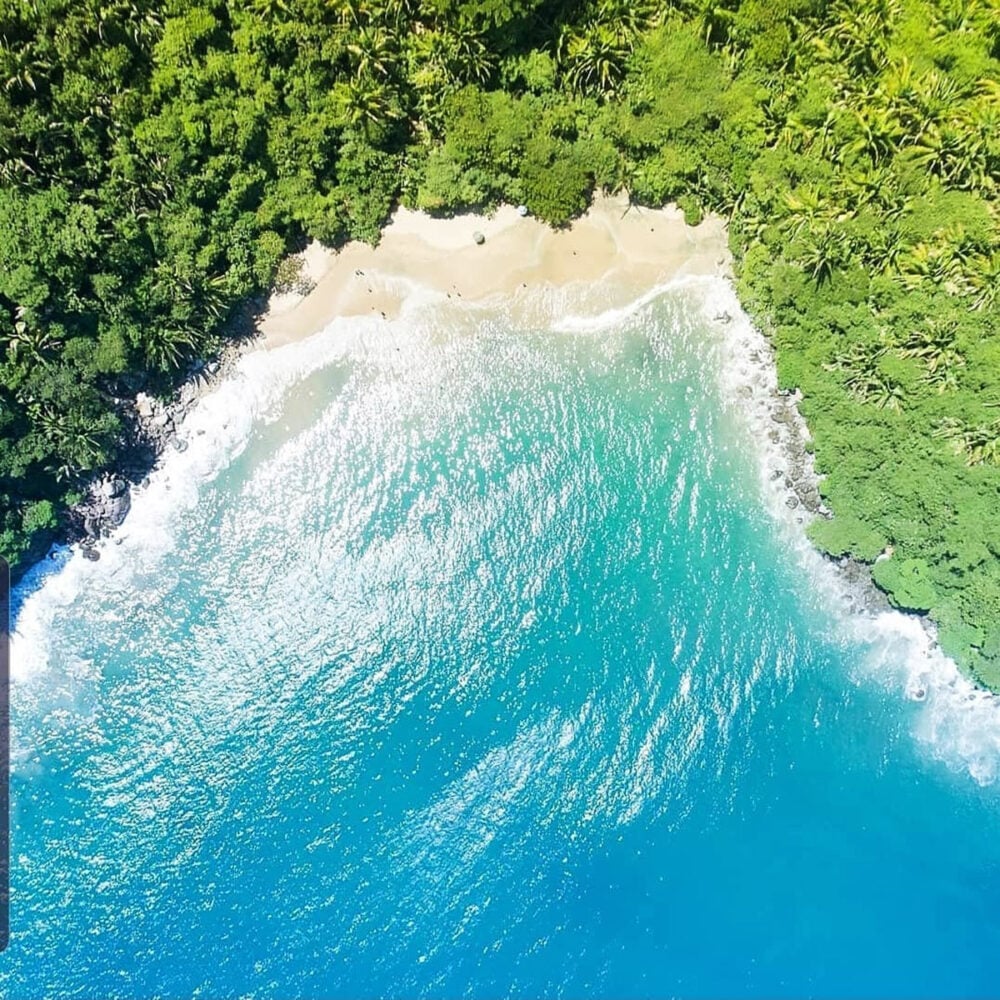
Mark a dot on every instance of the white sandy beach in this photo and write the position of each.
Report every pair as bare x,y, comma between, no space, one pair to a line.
624,248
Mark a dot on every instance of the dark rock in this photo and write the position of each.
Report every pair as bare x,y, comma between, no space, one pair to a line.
118,509
792,502
811,503
179,444
91,553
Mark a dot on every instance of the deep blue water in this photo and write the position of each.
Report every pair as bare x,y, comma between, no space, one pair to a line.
478,665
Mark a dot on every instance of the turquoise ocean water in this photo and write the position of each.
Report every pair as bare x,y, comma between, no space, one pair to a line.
473,655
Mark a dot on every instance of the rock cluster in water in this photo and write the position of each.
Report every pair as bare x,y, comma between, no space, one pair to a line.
151,427
798,476
104,509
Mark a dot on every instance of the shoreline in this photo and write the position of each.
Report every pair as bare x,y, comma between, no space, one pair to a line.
622,248
214,415
613,254
625,248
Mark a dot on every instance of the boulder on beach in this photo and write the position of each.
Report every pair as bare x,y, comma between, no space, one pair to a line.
143,406
478,238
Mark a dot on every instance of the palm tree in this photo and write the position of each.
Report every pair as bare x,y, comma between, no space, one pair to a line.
810,210
856,34
593,59
865,378
940,263
885,394
881,133
398,15
631,17
898,89
468,60
30,341
983,276
949,17
713,17
351,13
167,343
936,95
371,49
140,22
886,245
269,10
980,443
365,103
20,67
69,435
936,348
954,153
822,250
778,128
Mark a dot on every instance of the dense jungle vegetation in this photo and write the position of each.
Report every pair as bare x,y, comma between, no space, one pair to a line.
157,160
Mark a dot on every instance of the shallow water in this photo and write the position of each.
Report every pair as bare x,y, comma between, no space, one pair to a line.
460,657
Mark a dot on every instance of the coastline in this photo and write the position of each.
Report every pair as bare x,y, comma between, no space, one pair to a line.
619,249
625,248
615,253
212,415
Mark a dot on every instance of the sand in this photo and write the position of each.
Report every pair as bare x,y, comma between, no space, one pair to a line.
617,249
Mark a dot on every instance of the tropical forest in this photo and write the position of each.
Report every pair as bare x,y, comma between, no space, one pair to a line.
159,161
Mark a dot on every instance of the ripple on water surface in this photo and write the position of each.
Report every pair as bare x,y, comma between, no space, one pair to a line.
462,658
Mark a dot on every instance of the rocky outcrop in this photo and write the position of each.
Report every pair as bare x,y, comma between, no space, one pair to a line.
105,508
151,428
799,475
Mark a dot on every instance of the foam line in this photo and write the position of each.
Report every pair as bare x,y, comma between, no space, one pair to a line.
958,723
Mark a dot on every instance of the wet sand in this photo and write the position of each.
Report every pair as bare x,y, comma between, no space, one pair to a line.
624,249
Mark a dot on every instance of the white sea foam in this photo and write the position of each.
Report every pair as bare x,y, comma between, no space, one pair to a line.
957,722
609,318
216,431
